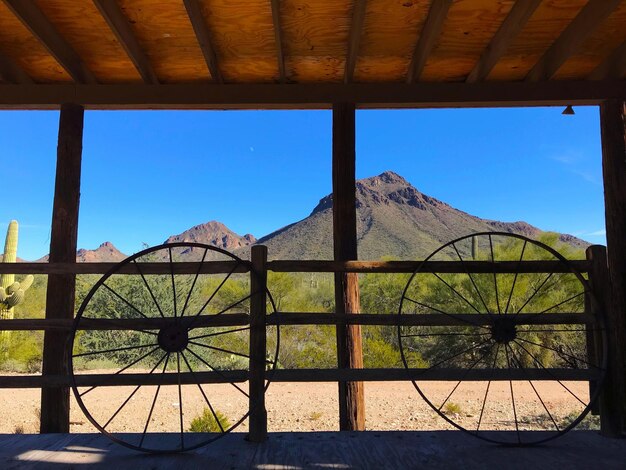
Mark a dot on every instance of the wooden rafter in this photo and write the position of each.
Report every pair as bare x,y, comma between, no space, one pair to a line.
587,20
428,38
204,38
120,26
12,73
356,28
279,40
313,96
519,15
614,67
33,18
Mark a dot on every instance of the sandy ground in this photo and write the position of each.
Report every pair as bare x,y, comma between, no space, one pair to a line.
312,407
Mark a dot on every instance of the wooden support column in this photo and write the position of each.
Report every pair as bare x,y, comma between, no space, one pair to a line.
55,402
258,344
349,345
613,126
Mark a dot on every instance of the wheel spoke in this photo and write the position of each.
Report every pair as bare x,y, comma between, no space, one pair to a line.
156,394
217,290
443,334
519,263
538,362
149,289
508,363
173,282
202,392
227,351
193,321
220,333
456,355
471,278
193,284
457,293
533,387
124,300
462,320
217,372
561,303
495,280
560,353
132,394
463,377
482,409
125,348
122,370
534,293
180,403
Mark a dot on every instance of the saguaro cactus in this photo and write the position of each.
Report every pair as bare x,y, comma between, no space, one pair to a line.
11,292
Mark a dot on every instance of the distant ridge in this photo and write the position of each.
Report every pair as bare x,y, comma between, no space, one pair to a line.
393,219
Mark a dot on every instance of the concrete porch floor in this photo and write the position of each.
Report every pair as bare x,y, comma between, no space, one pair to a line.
318,450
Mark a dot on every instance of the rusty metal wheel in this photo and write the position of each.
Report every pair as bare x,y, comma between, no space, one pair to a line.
513,349
184,332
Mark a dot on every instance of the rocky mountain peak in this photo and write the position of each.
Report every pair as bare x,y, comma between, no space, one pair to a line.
213,233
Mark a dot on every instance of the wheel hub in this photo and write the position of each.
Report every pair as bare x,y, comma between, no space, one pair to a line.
503,330
173,338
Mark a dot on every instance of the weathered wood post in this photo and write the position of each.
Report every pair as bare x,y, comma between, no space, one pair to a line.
258,344
349,343
613,127
60,295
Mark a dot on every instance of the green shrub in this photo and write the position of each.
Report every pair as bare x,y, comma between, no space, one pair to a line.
452,408
206,422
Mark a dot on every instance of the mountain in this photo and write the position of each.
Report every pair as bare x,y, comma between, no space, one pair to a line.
105,253
393,219
214,233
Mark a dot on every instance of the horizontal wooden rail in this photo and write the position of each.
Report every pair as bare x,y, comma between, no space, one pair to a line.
299,375
434,319
208,267
428,266
219,267
293,318
227,319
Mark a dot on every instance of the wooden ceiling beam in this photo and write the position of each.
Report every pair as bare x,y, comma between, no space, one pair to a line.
614,67
519,15
33,18
203,36
119,24
587,20
356,29
428,38
314,95
12,73
278,36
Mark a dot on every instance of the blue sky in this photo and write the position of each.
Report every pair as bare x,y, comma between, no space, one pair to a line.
148,175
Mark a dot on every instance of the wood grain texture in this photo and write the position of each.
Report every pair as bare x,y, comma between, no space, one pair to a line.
613,128
586,22
544,27
614,66
45,31
10,72
19,45
598,47
354,40
61,289
469,27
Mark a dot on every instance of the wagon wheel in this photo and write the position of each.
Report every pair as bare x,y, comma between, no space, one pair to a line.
513,351
186,330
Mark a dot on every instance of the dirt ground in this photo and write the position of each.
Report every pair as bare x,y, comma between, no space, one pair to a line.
313,407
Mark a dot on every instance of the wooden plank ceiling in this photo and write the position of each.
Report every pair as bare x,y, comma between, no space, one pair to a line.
310,41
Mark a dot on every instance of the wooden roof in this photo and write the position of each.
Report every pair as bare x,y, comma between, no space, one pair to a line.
321,42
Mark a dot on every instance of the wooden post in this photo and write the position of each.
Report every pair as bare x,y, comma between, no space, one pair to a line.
258,340
349,343
55,402
613,127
